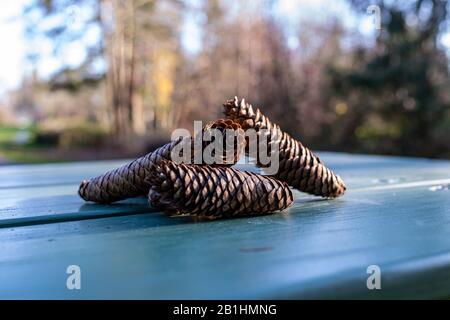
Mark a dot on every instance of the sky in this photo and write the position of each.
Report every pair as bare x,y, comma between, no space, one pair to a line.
293,12
12,57
13,47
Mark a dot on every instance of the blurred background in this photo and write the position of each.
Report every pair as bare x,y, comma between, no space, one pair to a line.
99,79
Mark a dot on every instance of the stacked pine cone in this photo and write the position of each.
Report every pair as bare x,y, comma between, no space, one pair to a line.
211,191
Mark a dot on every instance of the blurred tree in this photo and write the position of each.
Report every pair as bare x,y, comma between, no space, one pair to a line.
205,79
58,24
244,53
315,101
390,96
276,84
396,92
127,31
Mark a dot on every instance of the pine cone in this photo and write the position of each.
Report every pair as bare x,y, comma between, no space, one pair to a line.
130,180
228,155
298,166
215,192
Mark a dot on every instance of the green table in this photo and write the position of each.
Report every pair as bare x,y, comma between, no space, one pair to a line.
396,215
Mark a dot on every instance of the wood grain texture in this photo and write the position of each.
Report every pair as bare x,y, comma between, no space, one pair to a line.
396,214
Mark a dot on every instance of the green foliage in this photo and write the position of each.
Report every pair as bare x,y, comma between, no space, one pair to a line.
81,134
18,150
47,145
401,83
7,134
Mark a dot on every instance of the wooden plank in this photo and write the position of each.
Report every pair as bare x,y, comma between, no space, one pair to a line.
53,202
52,174
48,193
318,248
396,214
46,204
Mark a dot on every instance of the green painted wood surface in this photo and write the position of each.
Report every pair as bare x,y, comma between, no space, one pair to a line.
396,214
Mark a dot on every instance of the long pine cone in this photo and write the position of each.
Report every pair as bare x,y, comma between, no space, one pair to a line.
130,180
298,166
215,192
125,182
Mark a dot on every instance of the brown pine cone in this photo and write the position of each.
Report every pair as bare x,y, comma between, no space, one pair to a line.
130,180
227,155
298,166
215,192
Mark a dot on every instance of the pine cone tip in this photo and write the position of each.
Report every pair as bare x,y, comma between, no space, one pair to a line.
82,189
